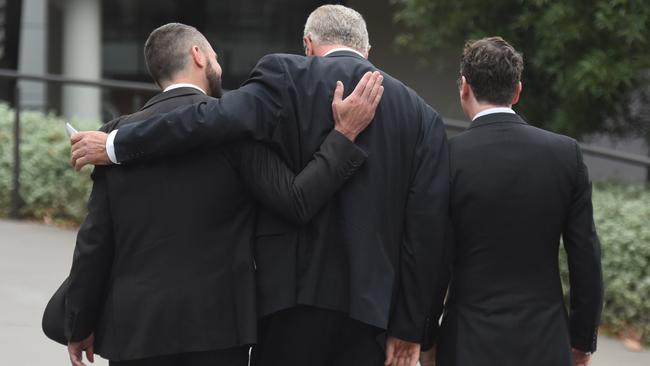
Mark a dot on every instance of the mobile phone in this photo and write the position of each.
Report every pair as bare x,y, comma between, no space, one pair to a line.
69,129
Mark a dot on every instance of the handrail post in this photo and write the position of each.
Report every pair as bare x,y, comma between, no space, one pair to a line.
647,174
137,102
16,201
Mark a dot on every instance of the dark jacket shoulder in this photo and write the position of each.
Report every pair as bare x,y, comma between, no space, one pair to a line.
529,129
110,125
159,103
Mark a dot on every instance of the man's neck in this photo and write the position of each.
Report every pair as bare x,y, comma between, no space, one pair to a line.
201,85
182,84
480,109
324,50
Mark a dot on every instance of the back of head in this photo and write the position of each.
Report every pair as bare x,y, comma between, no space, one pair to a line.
338,25
167,48
492,68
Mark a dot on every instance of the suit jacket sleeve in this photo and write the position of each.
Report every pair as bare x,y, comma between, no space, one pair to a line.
299,197
585,273
252,111
423,269
91,265
440,286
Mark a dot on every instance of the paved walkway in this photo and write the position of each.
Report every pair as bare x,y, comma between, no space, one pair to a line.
34,260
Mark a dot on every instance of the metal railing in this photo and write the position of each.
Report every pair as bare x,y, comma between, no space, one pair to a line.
592,150
105,83
16,201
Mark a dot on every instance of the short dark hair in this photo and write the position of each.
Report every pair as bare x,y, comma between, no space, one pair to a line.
166,49
492,68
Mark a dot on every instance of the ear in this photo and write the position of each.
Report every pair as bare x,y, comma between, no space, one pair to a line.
367,53
464,89
309,45
198,57
515,98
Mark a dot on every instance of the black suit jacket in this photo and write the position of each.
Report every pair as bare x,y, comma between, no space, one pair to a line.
515,191
375,249
163,262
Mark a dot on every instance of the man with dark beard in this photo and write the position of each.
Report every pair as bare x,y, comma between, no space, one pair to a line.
163,270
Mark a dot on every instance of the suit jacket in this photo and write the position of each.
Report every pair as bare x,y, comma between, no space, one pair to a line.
163,262
515,191
375,249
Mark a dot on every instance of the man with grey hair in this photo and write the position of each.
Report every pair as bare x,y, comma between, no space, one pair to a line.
163,270
336,24
370,262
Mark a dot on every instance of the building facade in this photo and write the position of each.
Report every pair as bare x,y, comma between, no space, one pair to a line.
95,39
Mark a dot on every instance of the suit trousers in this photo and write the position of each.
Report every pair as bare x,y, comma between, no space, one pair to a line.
306,335
237,356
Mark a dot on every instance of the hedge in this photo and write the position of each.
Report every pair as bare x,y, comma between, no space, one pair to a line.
54,192
622,215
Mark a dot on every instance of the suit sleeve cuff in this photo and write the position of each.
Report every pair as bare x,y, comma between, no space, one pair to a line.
351,152
405,335
405,328
76,328
584,344
430,337
110,147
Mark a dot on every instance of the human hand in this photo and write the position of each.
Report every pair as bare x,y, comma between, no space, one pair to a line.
580,358
401,353
88,147
354,113
75,350
428,358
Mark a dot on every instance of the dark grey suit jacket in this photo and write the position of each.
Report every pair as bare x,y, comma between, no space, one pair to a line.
377,248
163,262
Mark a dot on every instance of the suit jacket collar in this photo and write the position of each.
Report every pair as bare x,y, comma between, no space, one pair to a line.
497,118
344,53
174,93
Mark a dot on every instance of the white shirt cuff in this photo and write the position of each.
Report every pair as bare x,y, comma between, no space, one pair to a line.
110,147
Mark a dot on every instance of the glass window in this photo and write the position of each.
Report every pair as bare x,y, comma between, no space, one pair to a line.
241,31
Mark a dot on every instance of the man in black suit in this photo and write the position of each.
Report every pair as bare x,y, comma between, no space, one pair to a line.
163,271
515,191
328,289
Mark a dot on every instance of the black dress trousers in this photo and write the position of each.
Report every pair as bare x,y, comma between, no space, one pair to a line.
237,356
306,335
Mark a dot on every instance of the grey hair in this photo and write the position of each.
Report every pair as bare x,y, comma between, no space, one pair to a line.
167,48
338,24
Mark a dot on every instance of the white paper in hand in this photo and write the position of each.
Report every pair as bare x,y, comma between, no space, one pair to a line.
69,129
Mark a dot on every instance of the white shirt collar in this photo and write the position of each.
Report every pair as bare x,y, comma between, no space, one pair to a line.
492,111
183,85
343,49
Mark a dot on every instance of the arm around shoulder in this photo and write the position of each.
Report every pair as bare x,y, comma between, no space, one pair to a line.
252,111
298,197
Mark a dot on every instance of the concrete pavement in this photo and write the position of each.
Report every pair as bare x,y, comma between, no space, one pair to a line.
35,259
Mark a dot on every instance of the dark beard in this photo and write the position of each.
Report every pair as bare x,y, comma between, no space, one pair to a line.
214,82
